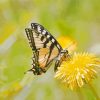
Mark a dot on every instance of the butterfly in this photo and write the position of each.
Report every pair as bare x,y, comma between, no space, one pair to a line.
46,49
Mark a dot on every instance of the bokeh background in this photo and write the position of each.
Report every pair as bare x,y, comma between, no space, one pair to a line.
78,19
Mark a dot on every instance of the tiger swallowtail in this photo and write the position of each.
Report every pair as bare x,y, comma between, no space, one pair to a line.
45,49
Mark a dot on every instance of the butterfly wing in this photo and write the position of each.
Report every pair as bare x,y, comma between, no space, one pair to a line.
45,47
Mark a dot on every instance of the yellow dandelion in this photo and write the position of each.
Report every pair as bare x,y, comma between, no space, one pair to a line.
79,70
68,43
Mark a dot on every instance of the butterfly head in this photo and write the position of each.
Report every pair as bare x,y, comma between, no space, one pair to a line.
65,55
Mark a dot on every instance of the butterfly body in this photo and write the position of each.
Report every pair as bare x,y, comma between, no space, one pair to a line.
45,47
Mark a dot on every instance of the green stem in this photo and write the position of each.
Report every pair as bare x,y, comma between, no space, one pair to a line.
94,92
80,95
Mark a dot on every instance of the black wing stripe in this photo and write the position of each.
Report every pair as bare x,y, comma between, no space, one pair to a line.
51,48
31,38
42,38
45,43
49,38
46,34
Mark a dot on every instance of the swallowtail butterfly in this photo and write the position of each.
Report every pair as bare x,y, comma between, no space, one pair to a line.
45,49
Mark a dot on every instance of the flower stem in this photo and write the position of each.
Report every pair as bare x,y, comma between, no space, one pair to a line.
80,95
94,92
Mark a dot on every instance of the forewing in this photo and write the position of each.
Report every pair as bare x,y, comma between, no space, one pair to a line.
42,41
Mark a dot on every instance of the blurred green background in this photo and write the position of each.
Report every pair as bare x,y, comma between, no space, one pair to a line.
77,19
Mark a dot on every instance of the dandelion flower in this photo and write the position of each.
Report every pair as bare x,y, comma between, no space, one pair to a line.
79,70
68,43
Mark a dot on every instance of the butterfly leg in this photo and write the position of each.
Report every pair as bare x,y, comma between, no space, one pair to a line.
57,64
